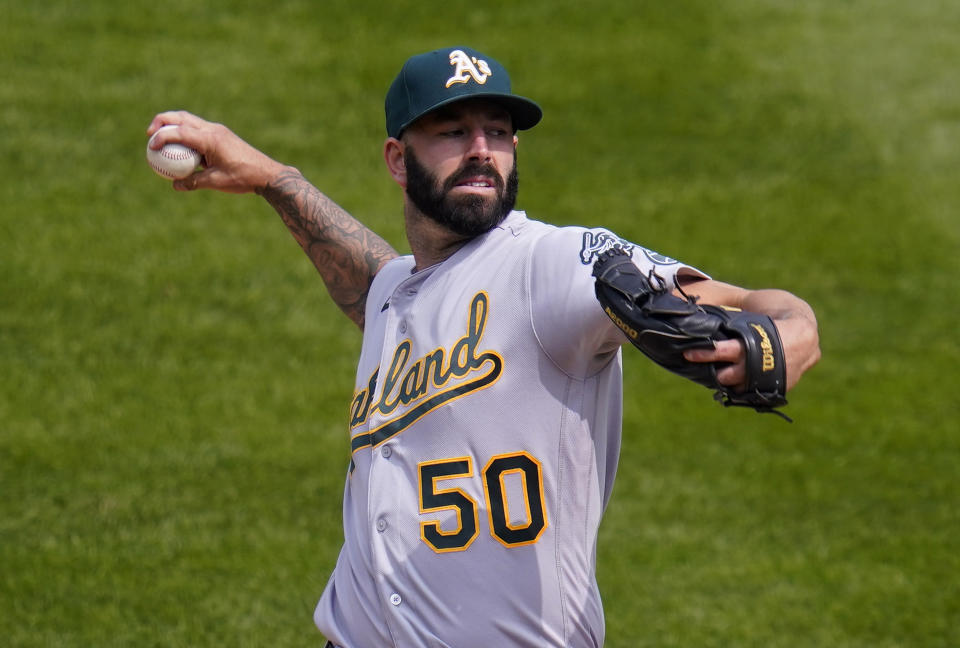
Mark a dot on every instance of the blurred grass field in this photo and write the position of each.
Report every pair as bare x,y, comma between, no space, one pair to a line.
175,380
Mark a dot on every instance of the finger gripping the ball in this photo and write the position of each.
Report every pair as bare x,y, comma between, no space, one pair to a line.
172,161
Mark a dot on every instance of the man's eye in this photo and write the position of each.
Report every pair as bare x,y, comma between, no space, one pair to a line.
456,132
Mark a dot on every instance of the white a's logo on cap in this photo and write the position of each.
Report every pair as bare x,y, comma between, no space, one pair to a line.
466,67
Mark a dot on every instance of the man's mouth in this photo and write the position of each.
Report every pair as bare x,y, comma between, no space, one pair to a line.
479,182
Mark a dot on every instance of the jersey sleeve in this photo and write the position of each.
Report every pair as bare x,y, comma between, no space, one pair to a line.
569,323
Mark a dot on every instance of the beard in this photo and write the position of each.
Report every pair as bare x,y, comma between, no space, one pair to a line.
469,215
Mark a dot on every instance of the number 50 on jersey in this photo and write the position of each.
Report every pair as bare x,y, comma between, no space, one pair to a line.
504,526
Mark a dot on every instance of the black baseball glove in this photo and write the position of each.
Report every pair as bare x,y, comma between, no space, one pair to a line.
663,326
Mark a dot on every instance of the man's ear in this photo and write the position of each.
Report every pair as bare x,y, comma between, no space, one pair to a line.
393,156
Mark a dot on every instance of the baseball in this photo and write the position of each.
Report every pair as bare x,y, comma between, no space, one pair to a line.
173,161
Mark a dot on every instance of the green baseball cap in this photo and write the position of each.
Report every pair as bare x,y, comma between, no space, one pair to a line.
429,81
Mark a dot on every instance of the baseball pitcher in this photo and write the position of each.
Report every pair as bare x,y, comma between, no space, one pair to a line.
484,428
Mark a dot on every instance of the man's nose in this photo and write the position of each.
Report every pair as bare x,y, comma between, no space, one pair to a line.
479,148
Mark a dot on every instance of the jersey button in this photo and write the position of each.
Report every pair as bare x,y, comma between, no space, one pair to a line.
403,327
385,451
381,525
395,599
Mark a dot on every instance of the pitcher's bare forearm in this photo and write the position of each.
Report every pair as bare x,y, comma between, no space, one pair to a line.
345,252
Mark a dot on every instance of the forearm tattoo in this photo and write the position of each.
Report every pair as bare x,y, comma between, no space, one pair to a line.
345,252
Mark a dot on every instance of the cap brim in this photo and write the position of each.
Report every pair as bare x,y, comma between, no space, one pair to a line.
525,113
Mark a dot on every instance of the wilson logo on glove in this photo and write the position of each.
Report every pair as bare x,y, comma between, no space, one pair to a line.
769,364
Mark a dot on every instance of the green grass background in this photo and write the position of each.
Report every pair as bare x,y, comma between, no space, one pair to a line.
174,381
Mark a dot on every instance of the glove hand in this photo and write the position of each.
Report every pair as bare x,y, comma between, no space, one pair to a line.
737,353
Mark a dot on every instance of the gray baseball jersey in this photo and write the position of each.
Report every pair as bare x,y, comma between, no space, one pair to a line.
485,431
